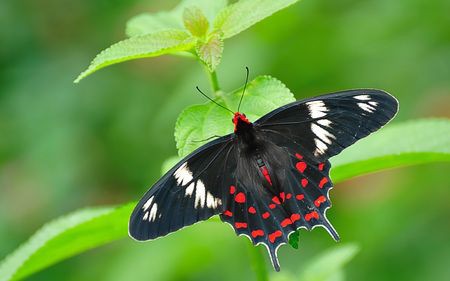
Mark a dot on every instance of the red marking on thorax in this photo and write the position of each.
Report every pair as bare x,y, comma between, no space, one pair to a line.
323,181
228,213
238,116
240,197
301,166
257,232
321,199
232,189
251,210
274,235
266,174
298,156
240,225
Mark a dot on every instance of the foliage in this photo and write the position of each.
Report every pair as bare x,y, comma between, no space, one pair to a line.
111,224
159,34
200,122
198,29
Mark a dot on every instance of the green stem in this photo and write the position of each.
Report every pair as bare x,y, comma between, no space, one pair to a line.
257,262
213,80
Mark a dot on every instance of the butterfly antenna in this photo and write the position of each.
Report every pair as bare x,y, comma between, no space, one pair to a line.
245,86
200,91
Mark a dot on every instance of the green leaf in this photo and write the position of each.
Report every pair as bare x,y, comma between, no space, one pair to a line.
245,13
195,21
147,23
396,145
328,266
200,122
210,8
210,52
294,238
66,237
410,143
169,163
150,45
152,23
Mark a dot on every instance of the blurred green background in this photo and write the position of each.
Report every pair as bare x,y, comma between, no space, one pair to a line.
102,142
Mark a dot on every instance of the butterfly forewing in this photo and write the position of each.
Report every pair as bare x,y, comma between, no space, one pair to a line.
324,125
191,191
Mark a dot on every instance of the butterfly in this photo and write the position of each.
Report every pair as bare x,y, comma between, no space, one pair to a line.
268,178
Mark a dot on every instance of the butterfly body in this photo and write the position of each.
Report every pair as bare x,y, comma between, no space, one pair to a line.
268,178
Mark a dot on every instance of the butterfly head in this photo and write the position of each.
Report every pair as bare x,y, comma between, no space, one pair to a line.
239,119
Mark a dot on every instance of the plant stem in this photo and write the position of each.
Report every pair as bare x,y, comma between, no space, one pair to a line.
213,80
257,262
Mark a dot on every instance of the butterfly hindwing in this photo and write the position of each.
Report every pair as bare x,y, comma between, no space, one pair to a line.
188,193
280,193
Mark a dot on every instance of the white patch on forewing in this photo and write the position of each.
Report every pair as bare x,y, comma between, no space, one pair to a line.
321,133
183,175
145,216
211,201
362,97
317,109
200,195
147,204
153,212
189,189
320,147
324,122
373,103
366,107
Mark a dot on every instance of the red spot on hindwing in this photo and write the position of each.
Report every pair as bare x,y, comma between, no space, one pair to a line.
240,197
275,235
282,196
301,166
251,210
257,232
272,206
266,174
304,182
276,200
288,196
321,166
240,224
286,222
232,189
266,215
300,197
228,213
321,199
312,215
323,181
295,217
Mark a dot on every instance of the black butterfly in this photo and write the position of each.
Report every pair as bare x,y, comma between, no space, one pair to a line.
268,178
